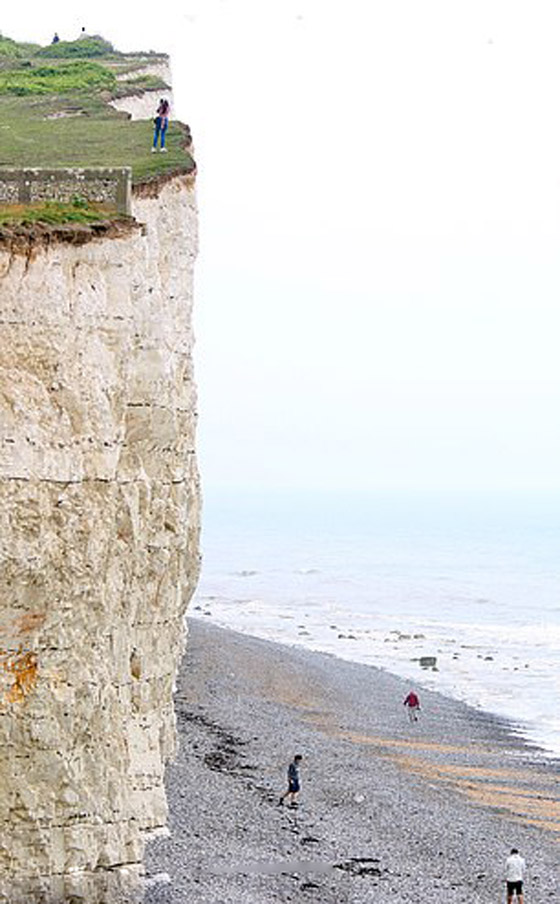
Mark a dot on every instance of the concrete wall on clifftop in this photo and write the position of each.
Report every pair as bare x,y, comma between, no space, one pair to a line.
99,513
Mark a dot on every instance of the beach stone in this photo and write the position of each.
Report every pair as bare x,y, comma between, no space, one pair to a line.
416,837
427,662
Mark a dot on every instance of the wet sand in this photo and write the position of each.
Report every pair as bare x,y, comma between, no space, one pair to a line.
389,811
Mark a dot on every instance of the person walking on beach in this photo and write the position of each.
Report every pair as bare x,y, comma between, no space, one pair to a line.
293,782
412,703
161,122
515,871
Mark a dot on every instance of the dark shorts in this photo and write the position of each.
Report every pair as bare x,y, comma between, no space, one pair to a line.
293,786
514,888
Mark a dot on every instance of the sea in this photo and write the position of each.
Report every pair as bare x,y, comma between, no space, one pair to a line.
456,593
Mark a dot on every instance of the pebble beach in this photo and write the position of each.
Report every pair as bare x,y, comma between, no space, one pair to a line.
389,810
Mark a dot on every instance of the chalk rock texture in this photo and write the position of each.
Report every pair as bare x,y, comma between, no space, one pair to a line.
99,525
145,104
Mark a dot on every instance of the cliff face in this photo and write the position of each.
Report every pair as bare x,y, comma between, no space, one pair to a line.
99,512
141,106
144,105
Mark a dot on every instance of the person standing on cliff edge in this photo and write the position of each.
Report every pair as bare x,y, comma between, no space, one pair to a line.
161,122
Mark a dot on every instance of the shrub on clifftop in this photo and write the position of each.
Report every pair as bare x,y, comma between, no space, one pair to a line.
11,49
54,79
94,46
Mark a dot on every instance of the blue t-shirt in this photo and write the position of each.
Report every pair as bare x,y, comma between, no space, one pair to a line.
293,774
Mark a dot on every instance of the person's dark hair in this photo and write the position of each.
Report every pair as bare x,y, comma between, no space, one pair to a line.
297,756
514,851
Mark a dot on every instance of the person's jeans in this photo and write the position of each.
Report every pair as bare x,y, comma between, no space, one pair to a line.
160,129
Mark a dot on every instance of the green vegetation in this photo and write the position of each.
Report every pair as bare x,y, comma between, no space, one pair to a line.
55,112
11,49
56,79
52,213
86,140
83,49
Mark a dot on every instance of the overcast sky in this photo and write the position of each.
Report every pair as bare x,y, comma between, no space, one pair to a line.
378,290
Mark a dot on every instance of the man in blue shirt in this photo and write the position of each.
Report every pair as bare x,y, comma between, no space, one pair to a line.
293,782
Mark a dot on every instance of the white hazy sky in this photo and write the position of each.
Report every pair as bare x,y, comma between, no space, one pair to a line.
378,291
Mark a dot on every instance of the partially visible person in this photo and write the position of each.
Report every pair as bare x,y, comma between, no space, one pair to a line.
412,703
161,123
515,872
55,39
293,782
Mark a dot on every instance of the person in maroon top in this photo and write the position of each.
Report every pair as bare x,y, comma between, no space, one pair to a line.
412,703
161,122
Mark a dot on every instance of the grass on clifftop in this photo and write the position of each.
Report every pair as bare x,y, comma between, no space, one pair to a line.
12,49
55,111
76,140
76,76
53,213
83,48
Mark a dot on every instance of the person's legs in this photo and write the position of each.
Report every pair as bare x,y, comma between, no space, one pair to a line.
512,889
157,131
285,795
163,131
292,794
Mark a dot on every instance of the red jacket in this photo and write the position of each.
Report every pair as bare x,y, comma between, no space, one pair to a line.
412,700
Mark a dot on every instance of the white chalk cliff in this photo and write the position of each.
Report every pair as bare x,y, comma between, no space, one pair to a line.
99,512
145,104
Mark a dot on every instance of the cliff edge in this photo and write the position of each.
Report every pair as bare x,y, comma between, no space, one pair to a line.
99,512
